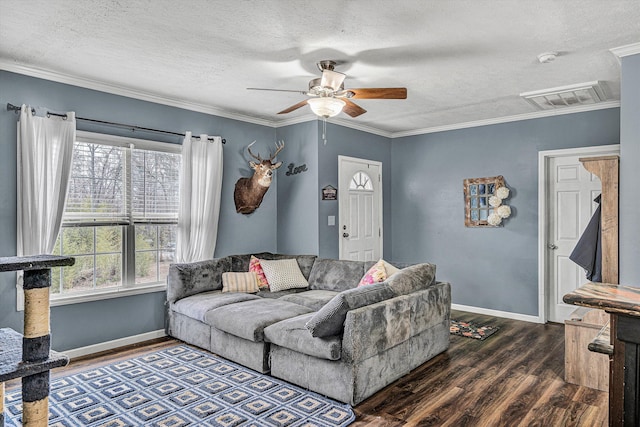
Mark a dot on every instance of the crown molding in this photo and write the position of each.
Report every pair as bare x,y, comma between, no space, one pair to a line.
334,121
294,120
202,108
626,50
126,91
507,119
359,126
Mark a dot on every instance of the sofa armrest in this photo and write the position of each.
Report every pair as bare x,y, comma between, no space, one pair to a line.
375,328
194,277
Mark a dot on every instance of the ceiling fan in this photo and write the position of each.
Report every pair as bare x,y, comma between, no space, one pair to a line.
328,97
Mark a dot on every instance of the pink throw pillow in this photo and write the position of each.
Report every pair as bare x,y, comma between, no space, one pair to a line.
255,267
376,274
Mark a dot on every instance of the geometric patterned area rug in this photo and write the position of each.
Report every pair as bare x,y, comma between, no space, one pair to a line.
470,330
181,386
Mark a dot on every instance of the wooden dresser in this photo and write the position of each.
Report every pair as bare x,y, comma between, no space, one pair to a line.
623,304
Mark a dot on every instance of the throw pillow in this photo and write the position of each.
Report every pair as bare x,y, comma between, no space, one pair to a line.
375,274
240,282
283,274
329,320
390,269
255,267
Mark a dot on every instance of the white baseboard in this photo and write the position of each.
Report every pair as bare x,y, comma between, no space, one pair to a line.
497,313
110,345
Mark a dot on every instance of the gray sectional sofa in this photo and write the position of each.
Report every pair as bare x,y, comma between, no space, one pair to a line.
334,338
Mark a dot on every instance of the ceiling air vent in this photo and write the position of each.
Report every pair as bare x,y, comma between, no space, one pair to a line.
567,96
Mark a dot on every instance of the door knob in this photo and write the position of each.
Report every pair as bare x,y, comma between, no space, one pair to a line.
552,246
345,234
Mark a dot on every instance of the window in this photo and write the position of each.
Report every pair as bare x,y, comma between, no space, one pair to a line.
477,192
120,217
360,181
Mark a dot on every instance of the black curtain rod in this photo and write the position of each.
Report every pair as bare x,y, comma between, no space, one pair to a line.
11,107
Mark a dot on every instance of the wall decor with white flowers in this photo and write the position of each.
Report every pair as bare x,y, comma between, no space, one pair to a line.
485,201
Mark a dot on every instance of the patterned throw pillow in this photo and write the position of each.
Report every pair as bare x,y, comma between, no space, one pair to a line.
240,282
255,267
376,274
283,274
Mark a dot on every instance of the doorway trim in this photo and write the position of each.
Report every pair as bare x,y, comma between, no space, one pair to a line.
543,210
381,207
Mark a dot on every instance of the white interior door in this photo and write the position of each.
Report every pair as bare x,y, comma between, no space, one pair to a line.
360,209
570,199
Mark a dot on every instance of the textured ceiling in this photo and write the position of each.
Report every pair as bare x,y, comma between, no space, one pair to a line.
461,61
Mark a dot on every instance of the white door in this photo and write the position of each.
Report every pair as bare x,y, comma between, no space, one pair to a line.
360,204
570,199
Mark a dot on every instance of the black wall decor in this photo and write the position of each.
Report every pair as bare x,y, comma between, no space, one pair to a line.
293,169
329,193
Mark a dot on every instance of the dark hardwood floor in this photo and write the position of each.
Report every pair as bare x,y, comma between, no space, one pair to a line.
513,378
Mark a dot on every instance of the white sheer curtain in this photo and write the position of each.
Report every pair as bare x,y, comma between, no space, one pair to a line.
45,152
200,188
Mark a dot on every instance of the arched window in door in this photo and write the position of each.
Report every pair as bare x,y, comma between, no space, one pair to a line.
360,181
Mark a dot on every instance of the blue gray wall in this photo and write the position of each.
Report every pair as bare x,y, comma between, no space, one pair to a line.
353,143
297,198
494,268
302,214
630,172
422,195
80,325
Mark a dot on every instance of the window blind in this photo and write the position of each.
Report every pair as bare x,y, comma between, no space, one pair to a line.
119,185
154,186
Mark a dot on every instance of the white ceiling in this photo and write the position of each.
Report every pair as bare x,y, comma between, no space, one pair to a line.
460,60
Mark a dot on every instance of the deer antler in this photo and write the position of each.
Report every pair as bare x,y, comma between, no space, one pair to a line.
258,158
279,148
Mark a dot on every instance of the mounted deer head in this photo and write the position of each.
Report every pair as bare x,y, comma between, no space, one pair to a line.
249,192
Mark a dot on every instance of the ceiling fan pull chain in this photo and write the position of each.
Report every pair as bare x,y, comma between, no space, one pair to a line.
324,129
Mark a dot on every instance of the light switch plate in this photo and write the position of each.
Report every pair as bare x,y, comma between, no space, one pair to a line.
331,220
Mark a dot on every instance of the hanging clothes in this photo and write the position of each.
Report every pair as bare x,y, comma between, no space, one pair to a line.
588,251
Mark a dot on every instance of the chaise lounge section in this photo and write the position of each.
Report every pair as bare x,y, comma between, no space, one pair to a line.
332,337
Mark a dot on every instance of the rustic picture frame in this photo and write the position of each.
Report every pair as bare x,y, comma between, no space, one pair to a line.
476,199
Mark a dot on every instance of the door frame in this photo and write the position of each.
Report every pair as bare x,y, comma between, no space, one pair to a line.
364,162
543,211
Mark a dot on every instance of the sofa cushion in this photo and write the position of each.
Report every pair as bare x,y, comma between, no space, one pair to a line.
329,320
283,274
314,299
194,277
266,293
335,275
241,262
306,264
248,319
412,279
292,334
240,282
197,306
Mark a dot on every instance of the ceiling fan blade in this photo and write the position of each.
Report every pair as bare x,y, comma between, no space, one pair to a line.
352,109
278,90
332,79
294,107
379,93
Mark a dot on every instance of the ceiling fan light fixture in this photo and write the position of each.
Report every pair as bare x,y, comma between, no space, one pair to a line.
326,106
